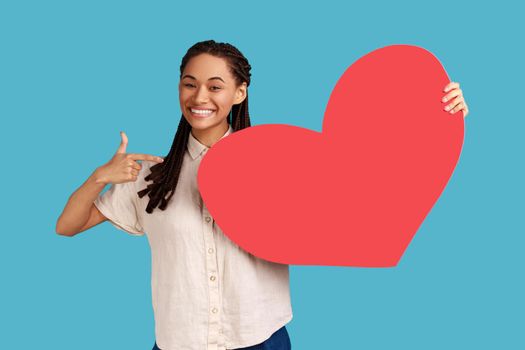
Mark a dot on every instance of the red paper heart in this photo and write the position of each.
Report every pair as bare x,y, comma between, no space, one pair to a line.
355,194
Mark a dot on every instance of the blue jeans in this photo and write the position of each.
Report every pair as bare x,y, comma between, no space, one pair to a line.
280,340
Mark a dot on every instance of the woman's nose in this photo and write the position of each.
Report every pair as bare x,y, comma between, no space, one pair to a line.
201,95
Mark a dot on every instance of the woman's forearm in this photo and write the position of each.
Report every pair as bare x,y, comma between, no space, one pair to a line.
77,210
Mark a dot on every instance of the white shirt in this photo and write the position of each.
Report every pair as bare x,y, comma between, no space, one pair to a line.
207,292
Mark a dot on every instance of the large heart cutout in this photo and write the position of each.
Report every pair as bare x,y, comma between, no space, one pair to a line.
354,194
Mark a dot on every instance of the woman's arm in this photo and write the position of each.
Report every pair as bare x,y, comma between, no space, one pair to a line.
80,213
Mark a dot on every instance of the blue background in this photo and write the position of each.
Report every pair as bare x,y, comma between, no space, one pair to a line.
73,74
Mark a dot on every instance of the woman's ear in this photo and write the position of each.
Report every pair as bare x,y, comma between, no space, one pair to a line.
240,94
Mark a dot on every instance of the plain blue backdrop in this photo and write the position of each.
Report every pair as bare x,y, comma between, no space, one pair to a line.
73,74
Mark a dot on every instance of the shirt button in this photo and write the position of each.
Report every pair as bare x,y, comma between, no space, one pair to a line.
210,250
214,310
208,219
212,278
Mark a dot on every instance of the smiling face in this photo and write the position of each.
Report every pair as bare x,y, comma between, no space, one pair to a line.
207,92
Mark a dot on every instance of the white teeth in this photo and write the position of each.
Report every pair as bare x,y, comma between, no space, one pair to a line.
203,111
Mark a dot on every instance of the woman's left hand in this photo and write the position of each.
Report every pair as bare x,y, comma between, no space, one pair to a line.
455,94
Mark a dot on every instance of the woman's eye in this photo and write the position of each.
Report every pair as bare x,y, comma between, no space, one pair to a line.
213,87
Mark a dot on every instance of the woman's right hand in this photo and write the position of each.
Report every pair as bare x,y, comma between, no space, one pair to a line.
123,167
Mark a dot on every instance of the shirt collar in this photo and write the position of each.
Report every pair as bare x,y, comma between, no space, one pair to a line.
196,148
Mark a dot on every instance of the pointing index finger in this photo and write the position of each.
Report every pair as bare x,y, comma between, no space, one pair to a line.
140,156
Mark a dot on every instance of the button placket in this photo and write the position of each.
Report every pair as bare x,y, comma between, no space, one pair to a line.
212,270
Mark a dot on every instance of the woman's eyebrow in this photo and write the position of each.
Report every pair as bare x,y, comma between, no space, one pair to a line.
212,78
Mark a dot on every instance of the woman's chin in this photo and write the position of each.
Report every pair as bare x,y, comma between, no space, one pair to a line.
201,124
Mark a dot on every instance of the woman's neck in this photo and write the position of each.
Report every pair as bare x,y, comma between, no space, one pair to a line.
210,136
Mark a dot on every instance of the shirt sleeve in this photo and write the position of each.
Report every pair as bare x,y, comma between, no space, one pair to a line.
120,205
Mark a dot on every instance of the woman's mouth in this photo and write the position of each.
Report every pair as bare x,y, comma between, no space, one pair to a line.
201,113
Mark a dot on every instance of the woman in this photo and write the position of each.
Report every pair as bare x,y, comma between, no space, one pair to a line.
207,292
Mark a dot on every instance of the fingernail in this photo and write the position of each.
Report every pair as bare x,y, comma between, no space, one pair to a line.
447,108
444,99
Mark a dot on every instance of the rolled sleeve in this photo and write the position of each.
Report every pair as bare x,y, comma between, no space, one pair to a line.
119,204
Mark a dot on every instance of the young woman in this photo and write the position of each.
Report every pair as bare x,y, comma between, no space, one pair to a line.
207,292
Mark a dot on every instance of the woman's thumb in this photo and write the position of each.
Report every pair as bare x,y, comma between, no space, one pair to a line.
123,143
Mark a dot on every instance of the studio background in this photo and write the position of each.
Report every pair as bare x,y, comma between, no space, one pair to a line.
73,74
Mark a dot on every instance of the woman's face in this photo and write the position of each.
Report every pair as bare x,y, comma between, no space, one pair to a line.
207,85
